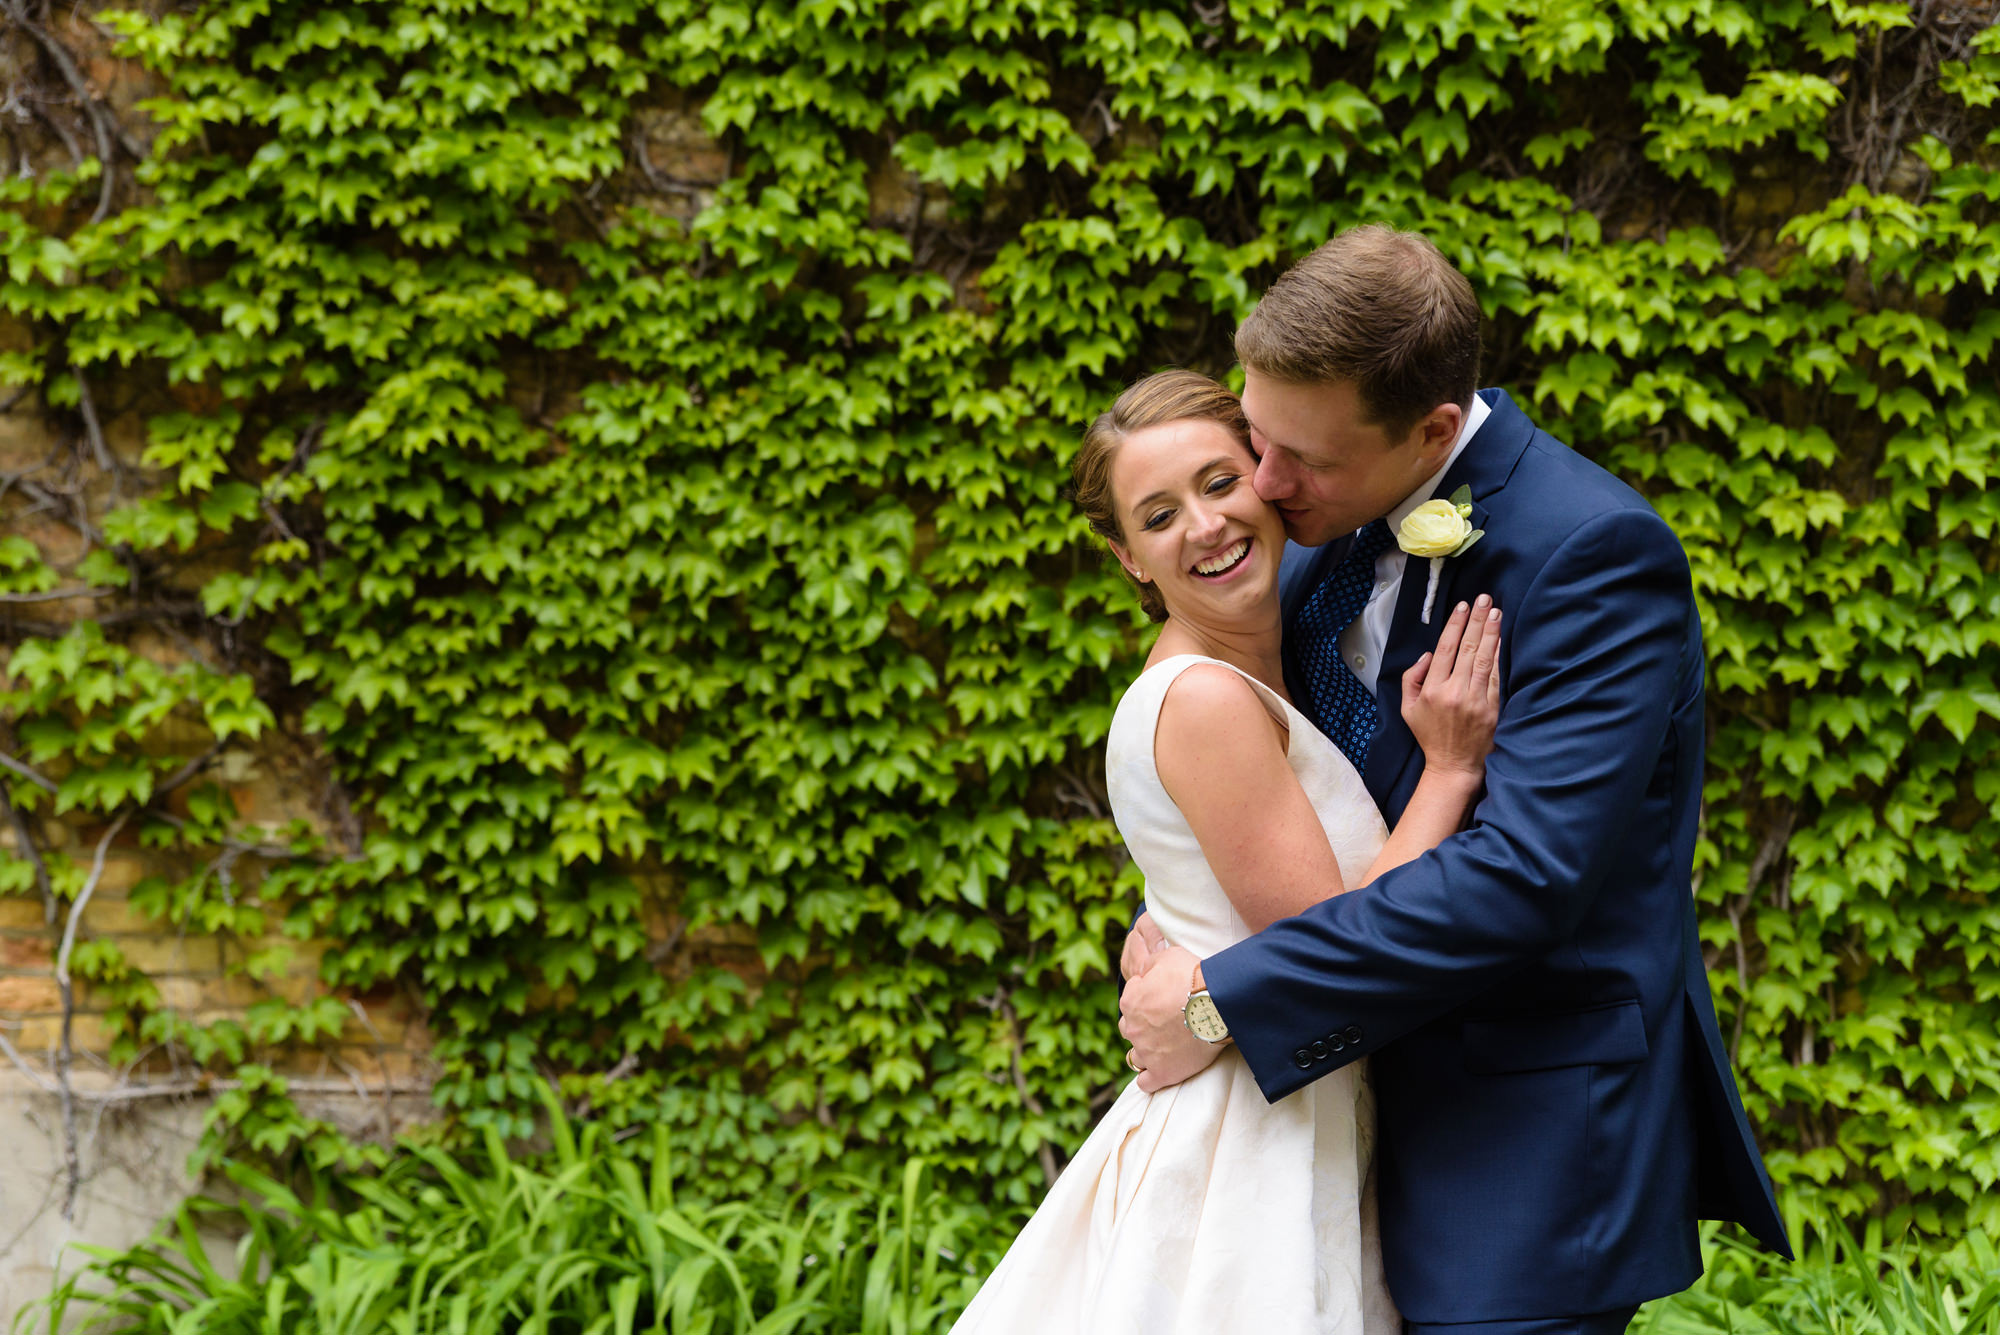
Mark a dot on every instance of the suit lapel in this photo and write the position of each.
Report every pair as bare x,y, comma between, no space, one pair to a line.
1484,466
1394,748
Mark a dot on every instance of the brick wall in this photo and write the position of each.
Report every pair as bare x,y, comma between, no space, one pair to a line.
198,975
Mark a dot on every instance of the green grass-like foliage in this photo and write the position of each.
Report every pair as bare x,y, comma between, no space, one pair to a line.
668,546
591,1239
1842,1286
593,1236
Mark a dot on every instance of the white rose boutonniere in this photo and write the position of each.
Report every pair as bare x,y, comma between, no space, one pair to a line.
1439,529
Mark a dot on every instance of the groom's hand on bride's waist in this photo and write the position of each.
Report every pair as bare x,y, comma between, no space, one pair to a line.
1151,1017
1141,945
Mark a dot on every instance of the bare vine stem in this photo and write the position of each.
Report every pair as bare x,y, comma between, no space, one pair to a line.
102,124
34,776
86,405
65,1053
126,1094
55,595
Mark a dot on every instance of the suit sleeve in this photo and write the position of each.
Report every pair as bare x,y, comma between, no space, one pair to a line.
1594,650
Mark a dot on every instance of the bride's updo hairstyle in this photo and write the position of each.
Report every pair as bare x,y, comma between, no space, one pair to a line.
1170,396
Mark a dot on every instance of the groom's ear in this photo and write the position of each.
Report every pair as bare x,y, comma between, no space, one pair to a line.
1439,430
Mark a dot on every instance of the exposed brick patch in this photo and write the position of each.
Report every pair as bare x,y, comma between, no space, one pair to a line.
28,994
18,951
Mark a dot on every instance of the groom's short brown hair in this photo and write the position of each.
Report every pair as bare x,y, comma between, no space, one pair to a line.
1381,308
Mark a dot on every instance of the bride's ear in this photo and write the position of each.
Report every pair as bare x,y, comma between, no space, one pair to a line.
1125,559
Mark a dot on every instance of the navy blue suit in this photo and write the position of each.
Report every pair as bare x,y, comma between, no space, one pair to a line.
1555,1102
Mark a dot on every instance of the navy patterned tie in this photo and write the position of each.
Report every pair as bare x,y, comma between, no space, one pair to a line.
1340,704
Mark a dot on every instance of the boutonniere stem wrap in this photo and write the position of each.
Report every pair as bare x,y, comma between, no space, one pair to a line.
1439,530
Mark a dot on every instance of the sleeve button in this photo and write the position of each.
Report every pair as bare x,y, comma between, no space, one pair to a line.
1352,1034
1302,1059
1319,1050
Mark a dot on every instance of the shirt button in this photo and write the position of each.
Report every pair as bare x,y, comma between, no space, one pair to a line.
1383,587
1361,660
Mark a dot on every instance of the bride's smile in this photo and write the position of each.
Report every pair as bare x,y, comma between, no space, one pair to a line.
1228,563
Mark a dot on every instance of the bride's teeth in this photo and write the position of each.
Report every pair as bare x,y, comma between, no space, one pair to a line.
1224,561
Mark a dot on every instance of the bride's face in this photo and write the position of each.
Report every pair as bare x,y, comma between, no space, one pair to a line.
1193,525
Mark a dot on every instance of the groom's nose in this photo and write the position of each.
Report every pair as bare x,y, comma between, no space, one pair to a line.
1273,480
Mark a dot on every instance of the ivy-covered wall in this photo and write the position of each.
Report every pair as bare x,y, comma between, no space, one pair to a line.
630,437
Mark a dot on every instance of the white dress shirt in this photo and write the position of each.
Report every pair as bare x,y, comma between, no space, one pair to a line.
1361,644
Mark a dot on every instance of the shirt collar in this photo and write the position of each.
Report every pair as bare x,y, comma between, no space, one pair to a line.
1479,413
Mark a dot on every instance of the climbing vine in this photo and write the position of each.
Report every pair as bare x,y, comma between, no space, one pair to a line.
630,438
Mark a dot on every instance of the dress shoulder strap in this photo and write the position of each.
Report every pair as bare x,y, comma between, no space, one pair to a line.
1140,803
1149,692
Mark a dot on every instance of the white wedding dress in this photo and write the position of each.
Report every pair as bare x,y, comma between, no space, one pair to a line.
1202,1209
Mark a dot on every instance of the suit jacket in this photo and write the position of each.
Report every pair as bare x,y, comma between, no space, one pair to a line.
1554,1101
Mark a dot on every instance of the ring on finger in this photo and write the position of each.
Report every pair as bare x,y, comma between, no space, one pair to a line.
1132,1061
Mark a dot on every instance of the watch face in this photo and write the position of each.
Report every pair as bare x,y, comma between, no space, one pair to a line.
1203,1020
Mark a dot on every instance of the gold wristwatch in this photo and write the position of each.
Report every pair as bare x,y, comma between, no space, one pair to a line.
1203,1020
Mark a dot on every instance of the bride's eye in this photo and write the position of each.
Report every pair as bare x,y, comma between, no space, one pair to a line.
1223,483
1157,518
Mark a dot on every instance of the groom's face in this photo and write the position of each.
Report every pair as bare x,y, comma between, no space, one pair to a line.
1324,466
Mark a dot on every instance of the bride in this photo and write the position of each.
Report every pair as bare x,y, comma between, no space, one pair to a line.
1201,1208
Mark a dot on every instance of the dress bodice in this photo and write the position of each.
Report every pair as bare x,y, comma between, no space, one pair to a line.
1182,894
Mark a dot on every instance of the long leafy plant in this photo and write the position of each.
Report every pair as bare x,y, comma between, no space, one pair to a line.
594,1238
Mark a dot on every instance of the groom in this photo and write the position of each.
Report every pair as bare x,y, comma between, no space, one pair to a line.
1554,1102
